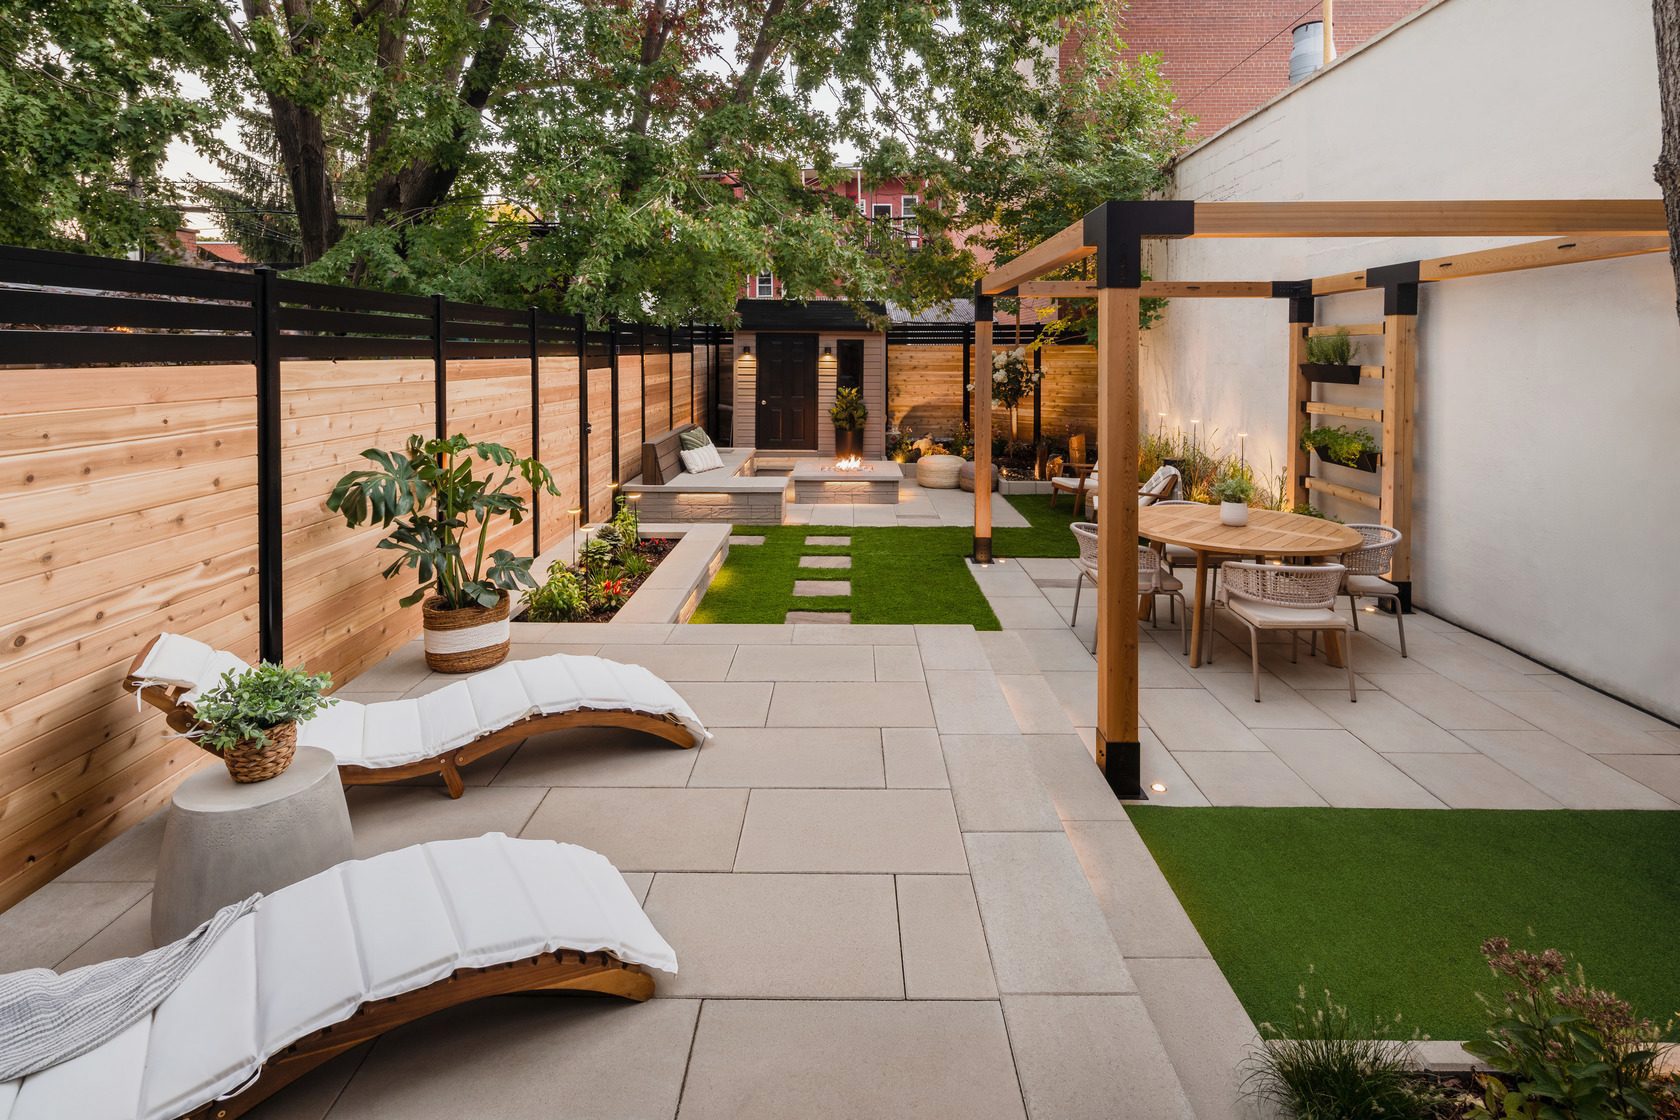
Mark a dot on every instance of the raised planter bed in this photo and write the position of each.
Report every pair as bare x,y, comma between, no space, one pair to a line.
672,589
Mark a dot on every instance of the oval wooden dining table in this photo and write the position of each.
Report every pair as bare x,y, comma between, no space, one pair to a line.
1269,533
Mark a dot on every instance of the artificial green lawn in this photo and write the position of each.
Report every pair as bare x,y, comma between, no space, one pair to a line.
899,574
1387,908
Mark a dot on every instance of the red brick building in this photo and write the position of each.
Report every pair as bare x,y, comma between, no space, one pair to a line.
893,201
1226,58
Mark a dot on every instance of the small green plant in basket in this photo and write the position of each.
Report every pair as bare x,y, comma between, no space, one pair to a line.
250,717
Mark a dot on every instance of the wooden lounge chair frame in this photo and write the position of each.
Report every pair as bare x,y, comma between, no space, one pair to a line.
446,765
561,971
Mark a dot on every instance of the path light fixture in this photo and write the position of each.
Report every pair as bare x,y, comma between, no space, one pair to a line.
574,513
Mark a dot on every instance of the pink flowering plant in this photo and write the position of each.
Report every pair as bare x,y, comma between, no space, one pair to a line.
1566,1051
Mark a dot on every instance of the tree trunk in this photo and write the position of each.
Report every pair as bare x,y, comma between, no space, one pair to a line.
1668,163
302,139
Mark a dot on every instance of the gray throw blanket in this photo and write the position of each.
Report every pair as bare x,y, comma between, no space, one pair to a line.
47,1019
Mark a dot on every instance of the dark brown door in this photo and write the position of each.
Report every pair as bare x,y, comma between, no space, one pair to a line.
787,392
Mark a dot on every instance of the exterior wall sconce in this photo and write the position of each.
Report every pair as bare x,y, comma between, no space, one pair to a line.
746,351
828,351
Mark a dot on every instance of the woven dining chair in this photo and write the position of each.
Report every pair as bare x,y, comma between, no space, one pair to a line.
1365,567
1153,578
1176,555
1293,597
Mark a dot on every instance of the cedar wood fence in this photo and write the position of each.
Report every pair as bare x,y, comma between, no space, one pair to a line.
169,436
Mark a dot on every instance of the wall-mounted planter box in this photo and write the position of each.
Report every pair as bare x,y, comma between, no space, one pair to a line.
1330,374
1368,461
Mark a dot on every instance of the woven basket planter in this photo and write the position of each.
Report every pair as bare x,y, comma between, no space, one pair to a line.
466,639
259,760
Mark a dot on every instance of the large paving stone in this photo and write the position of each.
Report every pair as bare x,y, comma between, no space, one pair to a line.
1246,778
804,663
729,703
780,936
1046,932
831,1059
676,663
968,702
596,756
839,830
524,1059
384,818
914,758
1068,771
57,919
646,829
1205,1032
1194,720
842,704
995,785
951,647
1446,703
818,757
1092,1058
1143,912
1345,772
944,945
1575,779
1471,781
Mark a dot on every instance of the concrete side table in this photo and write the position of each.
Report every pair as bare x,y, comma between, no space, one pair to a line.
224,841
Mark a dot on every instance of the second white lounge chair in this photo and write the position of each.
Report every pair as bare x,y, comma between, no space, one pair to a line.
444,730
324,965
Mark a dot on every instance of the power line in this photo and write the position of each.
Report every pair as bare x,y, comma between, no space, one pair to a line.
1286,27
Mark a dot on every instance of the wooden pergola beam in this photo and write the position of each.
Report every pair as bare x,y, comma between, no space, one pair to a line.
1157,289
1048,255
1537,254
1510,218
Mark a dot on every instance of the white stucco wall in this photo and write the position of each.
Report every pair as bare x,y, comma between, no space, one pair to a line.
1548,424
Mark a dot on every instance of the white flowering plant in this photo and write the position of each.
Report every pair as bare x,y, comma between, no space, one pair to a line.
1013,376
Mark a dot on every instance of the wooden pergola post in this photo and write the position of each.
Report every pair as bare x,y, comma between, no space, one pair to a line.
1400,310
982,409
1300,391
1118,750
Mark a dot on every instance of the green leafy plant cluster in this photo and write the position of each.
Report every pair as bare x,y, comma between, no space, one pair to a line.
901,446
1234,488
1340,444
1565,1051
1331,349
848,410
1328,1064
609,567
433,494
243,705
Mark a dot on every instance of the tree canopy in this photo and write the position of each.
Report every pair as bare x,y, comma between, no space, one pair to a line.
640,158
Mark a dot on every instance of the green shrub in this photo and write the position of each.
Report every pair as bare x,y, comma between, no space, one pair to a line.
1340,444
1331,349
1572,1052
628,524
1329,1065
560,598
596,555
1233,488
848,411
243,705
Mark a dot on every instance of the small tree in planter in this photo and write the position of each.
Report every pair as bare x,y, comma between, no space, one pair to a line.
849,415
433,494
1330,359
249,719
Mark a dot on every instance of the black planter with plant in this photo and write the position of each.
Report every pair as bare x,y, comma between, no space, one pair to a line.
1355,448
1330,360
849,415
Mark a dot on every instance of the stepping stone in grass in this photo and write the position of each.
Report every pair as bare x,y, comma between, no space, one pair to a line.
825,561
739,540
821,588
830,617
837,542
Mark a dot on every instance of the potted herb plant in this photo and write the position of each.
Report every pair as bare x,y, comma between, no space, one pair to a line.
849,415
1344,446
431,494
250,718
1234,493
1330,359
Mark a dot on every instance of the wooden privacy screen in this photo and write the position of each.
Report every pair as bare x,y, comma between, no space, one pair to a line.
129,502
925,389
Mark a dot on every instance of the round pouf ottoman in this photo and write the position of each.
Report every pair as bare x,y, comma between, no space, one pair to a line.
938,472
965,477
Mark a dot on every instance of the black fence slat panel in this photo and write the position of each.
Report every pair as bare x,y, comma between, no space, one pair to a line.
86,348
477,312
63,309
67,270
453,349
456,329
339,348
316,320
348,299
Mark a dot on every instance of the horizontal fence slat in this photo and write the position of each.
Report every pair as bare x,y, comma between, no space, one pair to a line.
333,347
71,348
456,329
349,299
481,313
66,309
353,322
453,349
44,268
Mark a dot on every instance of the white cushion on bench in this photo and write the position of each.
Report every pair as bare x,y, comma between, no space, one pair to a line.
313,952
395,732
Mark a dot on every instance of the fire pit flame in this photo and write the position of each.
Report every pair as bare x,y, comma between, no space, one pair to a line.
849,463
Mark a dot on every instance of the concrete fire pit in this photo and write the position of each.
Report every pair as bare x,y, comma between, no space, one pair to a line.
820,481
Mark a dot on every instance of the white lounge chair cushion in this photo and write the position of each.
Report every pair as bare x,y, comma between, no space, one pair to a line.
1272,616
313,952
401,731
1370,585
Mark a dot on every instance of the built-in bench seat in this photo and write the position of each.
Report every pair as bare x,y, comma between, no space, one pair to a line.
733,493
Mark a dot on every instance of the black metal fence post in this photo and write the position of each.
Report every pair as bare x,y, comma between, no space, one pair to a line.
612,356
440,368
968,374
271,584
582,326
536,435
671,375
641,363
1038,396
